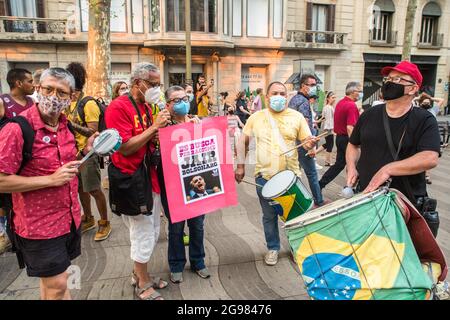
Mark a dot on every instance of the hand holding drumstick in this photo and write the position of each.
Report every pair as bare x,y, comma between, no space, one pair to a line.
309,142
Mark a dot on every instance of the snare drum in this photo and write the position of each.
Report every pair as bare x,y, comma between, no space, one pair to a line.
358,249
289,192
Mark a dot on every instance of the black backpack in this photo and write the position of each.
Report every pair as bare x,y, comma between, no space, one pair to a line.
101,105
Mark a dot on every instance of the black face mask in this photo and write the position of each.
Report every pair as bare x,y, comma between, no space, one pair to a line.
392,91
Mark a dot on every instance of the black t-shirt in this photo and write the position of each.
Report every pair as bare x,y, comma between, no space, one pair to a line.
422,134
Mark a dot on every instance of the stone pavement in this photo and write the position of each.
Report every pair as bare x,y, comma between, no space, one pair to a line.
235,247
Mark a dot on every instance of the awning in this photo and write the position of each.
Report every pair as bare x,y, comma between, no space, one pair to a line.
385,5
432,9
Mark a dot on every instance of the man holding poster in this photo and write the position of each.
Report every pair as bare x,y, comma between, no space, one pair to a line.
273,128
192,181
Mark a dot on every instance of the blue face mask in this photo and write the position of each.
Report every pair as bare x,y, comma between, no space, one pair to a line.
313,91
181,108
360,96
277,103
191,96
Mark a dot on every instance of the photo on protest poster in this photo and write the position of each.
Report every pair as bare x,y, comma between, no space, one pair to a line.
200,170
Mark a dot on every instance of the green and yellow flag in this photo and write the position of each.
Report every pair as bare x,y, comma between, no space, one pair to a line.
363,253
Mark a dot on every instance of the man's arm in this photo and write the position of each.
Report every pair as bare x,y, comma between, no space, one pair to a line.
14,183
418,163
350,130
351,157
242,150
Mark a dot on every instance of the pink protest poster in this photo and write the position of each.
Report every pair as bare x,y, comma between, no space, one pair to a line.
198,168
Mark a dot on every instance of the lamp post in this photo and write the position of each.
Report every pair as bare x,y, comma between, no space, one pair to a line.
187,19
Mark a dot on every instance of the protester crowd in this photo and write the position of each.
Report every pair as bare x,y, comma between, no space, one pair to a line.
46,194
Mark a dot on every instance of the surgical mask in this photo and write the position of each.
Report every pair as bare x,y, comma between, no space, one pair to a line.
277,103
123,92
392,91
152,95
360,96
181,108
312,91
52,105
191,97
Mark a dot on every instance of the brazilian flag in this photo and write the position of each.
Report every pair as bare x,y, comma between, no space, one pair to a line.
364,252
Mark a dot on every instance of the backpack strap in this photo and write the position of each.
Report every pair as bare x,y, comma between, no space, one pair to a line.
28,139
80,107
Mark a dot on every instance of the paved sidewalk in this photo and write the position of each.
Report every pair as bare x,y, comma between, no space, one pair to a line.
235,248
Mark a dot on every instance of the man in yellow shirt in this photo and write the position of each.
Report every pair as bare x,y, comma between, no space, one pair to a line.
276,130
89,177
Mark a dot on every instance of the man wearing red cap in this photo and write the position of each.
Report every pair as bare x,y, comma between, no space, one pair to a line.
370,158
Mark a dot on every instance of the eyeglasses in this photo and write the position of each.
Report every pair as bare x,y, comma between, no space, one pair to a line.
151,85
178,100
311,85
48,91
397,80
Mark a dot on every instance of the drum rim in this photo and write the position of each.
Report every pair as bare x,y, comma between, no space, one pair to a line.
290,185
304,219
115,133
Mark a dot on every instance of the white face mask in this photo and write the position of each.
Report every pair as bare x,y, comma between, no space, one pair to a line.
152,95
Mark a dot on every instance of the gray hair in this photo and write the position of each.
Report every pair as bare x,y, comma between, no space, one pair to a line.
171,90
352,87
60,74
142,70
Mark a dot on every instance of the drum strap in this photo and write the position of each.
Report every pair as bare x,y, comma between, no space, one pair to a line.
276,131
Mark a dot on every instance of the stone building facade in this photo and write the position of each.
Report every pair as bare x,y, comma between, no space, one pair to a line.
242,44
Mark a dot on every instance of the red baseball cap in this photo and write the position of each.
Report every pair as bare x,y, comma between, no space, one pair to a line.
408,68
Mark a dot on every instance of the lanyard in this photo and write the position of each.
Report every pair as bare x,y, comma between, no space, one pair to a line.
133,102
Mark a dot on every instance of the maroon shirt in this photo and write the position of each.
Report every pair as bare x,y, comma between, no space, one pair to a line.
44,213
12,107
345,114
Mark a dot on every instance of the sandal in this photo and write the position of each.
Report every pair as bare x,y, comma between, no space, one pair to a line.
154,296
157,282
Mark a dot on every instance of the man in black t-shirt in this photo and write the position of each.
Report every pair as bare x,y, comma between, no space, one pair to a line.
368,155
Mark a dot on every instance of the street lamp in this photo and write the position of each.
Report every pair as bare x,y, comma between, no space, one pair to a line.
187,19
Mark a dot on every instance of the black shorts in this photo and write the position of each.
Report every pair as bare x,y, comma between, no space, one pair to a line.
48,258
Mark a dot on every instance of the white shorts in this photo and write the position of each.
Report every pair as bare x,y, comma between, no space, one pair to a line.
144,232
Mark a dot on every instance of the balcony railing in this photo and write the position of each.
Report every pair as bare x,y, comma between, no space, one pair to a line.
317,39
434,41
380,38
37,28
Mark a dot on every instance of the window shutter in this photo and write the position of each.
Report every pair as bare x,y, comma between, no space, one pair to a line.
309,11
331,17
3,8
40,8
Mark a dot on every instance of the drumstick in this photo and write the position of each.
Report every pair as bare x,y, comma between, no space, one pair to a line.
253,184
324,134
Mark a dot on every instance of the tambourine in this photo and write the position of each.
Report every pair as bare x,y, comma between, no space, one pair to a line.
108,142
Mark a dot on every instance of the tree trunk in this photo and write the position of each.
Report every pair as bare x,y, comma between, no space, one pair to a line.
409,26
99,50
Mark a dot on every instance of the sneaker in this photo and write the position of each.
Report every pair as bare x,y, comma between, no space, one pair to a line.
271,257
104,229
318,167
442,291
176,277
5,244
87,223
185,239
203,273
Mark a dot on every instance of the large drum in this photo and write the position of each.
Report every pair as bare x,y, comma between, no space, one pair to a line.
358,248
286,189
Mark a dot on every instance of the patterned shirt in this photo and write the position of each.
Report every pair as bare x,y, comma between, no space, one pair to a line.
300,103
45,213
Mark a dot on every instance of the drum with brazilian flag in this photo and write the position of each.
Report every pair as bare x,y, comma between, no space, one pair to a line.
358,249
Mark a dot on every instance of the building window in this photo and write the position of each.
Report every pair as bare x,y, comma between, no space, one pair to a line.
320,17
203,15
118,20
277,18
226,13
383,12
154,15
137,16
21,8
258,18
430,22
237,18
118,16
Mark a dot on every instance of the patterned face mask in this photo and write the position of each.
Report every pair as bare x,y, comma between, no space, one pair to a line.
52,105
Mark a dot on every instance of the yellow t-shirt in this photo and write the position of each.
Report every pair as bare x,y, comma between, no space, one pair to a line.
203,107
91,114
293,128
